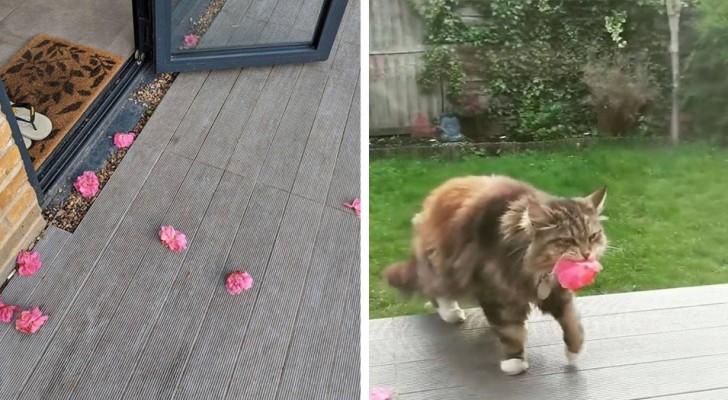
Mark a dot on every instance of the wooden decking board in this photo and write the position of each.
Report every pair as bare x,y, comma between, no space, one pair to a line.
265,347
321,308
171,110
285,12
715,394
344,378
191,133
319,156
262,125
251,34
20,289
167,349
218,343
408,348
619,303
284,154
57,293
61,366
262,9
654,348
231,15
148,287
225,132
344,185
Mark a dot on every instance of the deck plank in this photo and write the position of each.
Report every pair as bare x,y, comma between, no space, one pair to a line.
344,378
284,154
321,312
262,125
193,129
344,185
319,157
149,286
215,351
20,290
67,355
22,353
163,357
265,348
224,134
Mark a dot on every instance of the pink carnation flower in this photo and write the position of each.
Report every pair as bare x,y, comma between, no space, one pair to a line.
238,282
380,394
123,140
355,205
574,275
190,40
28,262
7,311
87,184
30,321
172,238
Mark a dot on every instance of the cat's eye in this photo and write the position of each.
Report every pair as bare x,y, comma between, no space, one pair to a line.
567,241
594,236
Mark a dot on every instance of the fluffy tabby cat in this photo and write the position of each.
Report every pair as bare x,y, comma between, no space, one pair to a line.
496,239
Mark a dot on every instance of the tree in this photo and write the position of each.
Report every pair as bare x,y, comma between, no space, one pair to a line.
673,16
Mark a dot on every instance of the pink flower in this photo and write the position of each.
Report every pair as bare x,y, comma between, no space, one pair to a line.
87,184
122,140
172,238
7,311
28,262
574,275
30,321
381,394
238,282
355,205
190,40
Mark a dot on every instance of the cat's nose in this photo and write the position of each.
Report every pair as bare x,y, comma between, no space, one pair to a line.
586,254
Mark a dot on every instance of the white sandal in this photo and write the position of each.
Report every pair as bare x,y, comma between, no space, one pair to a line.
33,125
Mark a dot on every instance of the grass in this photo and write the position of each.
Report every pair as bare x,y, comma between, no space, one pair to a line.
667,208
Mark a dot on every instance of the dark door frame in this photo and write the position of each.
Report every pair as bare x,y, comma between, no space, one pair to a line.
319,49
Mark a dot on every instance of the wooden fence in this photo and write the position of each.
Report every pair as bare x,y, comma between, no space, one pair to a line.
396,50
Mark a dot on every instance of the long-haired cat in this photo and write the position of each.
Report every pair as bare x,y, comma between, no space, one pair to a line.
496,240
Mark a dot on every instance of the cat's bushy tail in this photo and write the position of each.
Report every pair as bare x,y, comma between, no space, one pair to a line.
403,276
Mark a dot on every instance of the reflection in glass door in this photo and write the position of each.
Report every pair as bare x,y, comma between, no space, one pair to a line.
206,34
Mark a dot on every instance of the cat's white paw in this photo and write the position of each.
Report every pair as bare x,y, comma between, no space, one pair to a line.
514,366
571,357
451,315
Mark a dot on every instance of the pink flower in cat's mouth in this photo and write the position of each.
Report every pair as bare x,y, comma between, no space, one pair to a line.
172,238
355,205
574,275
30,321
124,139
28,262
381,394
7,311
238,282
190,40
87,184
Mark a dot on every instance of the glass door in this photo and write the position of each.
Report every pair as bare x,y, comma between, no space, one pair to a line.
214,34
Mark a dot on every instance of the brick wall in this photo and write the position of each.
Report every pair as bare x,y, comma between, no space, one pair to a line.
20,215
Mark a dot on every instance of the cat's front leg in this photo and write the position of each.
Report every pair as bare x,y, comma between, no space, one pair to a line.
560,304
509,324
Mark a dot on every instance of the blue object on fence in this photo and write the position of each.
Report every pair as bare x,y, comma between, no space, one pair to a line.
450,129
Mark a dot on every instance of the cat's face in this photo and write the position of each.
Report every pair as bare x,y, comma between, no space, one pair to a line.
570,228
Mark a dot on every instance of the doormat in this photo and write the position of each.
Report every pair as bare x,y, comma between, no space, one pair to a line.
61,79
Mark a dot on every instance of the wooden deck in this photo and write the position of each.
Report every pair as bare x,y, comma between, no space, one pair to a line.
668,344
253,166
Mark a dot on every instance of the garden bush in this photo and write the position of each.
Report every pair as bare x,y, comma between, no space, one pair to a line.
530,57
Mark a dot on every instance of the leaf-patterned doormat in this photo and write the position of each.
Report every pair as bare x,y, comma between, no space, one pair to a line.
61,79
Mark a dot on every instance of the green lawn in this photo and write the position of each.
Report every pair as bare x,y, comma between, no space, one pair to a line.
667,209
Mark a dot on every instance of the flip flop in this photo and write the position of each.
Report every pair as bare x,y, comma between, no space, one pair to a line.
27,142
32,125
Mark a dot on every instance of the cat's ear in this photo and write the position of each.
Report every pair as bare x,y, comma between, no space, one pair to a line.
597,199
